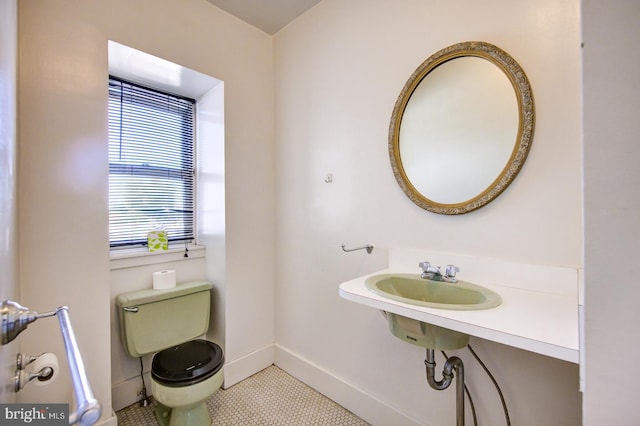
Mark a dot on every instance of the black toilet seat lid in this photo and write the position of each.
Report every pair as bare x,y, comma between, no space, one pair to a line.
188,363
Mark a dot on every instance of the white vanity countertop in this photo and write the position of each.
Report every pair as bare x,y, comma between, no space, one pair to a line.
537,321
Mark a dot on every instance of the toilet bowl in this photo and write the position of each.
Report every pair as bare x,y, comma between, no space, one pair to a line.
186,370
183,378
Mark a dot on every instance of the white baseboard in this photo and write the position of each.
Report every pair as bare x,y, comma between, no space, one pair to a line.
349,396
239,369
109,421
353,399
125,393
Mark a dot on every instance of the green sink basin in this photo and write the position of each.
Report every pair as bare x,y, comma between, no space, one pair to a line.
424,334
411,289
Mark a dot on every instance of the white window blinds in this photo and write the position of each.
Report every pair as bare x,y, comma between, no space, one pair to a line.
151,164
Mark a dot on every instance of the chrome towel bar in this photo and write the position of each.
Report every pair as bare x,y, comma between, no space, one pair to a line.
368,248
88,408
16,318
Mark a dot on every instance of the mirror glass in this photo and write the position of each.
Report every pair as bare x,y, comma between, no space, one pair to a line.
461,128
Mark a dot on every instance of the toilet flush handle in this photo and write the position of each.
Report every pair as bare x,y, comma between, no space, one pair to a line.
131,309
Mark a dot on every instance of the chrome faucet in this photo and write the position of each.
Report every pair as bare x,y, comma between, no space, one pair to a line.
433,272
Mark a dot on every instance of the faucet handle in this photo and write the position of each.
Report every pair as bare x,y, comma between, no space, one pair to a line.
424,266
427,268
450,270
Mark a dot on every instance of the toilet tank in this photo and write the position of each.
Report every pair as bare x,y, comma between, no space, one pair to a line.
153,320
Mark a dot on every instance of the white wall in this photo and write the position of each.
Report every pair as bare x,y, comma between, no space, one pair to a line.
63,164
611,203
8,178
211,224
339,69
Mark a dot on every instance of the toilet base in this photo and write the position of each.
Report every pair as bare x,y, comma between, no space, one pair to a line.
183,416
185,406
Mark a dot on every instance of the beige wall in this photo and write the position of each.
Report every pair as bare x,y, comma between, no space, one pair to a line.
9,288
339,69
612,201
63,164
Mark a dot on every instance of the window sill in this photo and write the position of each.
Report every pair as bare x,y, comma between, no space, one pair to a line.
131,258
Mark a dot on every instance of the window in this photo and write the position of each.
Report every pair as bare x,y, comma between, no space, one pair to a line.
151,164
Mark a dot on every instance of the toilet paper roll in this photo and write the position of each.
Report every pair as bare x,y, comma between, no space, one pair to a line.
164,279
45,360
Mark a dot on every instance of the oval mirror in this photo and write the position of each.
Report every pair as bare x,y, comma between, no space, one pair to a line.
461,128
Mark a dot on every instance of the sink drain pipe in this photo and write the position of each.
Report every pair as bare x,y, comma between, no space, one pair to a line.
453,363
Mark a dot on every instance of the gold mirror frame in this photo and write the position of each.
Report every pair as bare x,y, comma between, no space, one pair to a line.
526,113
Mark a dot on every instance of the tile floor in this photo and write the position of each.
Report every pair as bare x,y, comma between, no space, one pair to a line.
269,397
